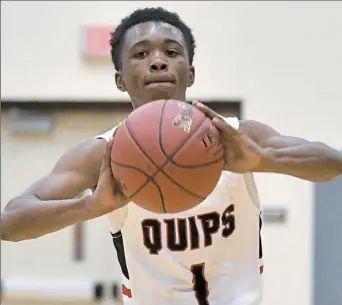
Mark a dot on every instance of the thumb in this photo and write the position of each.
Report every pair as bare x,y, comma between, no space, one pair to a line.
107,156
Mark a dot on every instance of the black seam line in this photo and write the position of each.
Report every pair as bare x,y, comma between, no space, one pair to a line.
140,171
199,166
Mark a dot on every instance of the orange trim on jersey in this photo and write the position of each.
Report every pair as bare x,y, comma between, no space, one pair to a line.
261,269
126,291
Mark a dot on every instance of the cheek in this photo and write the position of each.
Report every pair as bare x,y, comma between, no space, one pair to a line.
133,77
183,70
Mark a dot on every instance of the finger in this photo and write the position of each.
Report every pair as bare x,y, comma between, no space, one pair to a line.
231,144
206,110
230,137
107,156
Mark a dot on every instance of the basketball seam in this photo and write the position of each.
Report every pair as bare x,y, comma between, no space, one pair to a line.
137,169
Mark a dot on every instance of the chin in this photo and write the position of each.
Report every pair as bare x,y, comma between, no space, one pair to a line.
163,95
157,95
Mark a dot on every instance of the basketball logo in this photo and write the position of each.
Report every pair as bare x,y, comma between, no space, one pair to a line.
184,118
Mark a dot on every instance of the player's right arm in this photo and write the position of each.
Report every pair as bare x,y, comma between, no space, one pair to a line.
50,204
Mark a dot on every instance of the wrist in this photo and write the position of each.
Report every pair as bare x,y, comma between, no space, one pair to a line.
87,207
268,161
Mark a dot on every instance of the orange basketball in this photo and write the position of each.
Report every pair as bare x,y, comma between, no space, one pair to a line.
167,156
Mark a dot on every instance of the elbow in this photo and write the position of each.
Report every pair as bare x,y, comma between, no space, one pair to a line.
7,234
8,230
10,237
327,176
10,224
332,167
335,168
321,179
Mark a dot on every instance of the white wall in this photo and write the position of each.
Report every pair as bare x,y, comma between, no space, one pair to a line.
283,58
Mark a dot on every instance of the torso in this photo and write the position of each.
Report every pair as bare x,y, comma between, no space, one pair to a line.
207,255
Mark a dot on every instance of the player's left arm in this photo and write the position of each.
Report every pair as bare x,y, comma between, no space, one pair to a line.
313,161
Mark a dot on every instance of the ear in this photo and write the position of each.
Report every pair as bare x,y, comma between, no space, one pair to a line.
191,76
120,83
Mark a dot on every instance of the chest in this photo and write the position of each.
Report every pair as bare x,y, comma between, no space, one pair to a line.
213,222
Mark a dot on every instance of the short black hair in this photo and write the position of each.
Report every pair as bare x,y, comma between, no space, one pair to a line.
145,15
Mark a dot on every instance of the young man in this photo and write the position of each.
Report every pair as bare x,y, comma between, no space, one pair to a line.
206,255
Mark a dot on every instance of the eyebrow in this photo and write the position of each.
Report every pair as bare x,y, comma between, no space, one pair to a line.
147,42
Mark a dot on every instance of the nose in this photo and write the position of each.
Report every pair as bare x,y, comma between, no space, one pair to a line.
159,65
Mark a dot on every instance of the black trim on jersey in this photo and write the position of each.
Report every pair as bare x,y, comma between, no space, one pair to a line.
260,242
120,251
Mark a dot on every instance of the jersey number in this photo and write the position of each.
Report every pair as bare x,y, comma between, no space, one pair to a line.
200,284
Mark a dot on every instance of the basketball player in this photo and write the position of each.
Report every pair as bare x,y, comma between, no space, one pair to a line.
206,255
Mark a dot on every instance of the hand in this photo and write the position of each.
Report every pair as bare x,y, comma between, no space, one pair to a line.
242,154
108,195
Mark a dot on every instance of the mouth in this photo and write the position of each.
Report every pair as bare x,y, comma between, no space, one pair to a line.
159,82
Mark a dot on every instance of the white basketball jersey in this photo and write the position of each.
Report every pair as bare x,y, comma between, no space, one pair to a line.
208,255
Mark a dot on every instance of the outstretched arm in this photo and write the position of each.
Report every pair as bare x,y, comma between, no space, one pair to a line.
256,147
311,161
50,204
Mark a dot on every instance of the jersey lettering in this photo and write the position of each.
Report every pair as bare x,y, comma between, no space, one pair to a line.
208,140
184,233
200,286
152,235
210,224
176,241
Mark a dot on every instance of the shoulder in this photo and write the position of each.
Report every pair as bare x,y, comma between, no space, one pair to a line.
84,158
87,151
92,150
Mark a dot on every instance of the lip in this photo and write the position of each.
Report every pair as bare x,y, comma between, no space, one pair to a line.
159,81
159,84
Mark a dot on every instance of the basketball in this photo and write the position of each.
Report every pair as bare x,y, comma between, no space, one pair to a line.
167,156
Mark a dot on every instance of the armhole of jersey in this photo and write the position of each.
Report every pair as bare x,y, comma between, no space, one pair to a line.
255,201
252,193
116,221
252,189
261,258
117,218
248,177
107,135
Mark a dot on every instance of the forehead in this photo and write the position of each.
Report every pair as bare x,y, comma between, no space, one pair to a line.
153,31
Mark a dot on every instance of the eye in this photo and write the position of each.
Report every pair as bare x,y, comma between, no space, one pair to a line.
140,55
171,53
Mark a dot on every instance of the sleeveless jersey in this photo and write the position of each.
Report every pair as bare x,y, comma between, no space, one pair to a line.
208,255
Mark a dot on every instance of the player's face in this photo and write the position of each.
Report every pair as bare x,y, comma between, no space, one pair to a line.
155,63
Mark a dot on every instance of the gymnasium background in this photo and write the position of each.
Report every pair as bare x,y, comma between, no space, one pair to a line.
282,60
